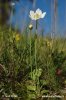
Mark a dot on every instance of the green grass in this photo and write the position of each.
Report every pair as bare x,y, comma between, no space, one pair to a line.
18,61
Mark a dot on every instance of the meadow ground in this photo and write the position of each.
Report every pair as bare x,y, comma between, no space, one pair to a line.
31,65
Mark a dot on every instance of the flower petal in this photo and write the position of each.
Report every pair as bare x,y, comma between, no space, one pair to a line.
31,12
38,11
32,15
43,15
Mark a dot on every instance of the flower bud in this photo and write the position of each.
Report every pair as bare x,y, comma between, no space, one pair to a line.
30,26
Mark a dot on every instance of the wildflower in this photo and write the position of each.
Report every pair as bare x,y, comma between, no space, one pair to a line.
30,26
65,82
49,44
37,15
58,71
17,37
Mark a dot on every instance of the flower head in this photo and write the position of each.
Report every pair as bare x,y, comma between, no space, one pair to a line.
37,15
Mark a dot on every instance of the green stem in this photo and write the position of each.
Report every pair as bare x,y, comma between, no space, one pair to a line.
11,18
35,55
30,55
36,58
36,46
36,24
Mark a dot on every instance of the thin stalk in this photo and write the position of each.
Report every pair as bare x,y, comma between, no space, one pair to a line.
11,19
36,47
36,25
30,55
37,78
35,55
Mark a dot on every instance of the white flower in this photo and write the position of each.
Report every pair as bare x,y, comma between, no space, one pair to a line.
37,15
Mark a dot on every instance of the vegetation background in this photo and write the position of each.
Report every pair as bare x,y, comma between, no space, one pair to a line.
19,76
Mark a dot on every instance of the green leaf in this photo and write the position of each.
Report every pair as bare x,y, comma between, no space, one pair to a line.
44,82
30,87
31,96
36,73
44,91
